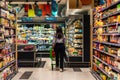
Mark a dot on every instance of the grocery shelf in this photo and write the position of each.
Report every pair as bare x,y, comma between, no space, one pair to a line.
5,18
27,61
106,8
78,43
113,14
1,32
102,70
26,51
9,27
108,43
113,68
7,10
96,75
78,48
44,44
4,8
1,48
44,50
109,24
1,69
107,34
9,36
117,34
2,40
25,44
7,54
9,77
106,53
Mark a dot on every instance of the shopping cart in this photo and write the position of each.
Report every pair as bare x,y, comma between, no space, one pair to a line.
52,57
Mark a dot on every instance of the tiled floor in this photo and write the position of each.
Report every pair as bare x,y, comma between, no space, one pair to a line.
47,74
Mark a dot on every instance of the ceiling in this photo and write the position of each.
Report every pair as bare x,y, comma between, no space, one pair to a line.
27,1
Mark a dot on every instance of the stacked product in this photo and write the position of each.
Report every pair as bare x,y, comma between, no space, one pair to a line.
75,38
7,41
40,35
106,40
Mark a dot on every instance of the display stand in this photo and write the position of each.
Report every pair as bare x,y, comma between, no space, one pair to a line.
78,40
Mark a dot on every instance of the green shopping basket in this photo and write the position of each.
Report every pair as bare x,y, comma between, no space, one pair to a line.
52,57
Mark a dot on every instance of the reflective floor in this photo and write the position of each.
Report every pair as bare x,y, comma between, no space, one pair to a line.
46,73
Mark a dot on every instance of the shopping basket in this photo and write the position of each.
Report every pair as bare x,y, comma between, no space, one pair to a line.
52,57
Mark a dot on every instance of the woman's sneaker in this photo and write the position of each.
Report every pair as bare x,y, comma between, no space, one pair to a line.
61,70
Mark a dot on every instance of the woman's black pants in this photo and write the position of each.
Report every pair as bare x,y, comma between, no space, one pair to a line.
60,53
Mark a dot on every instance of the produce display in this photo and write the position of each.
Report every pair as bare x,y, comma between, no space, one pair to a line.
106,40
75,38
7,41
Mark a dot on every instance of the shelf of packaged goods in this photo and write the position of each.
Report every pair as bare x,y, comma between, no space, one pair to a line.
71,33
113,68
74,55
45,44
112,14
10,76
9,27
116,34
107,53
106,8
6,36
1,69
77,47
108,43
107,34
96,75
78,27
25,44
2,40
109,24
69,55
43,50
71,39
78,43
5,18
7,10
2,47
26,51
1,32
45,33
4,8
103,71
78,33
78,38
7,55
27,61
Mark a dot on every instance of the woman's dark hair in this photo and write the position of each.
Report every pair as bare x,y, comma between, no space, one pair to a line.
59,33
59,30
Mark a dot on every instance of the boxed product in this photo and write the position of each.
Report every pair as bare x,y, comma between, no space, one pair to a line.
118,7
3,4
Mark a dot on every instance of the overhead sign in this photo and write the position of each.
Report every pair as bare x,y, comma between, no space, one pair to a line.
51,19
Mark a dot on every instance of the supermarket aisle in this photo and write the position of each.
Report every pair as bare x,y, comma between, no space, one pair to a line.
46,73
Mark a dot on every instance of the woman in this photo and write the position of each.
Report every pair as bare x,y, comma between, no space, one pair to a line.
59,48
